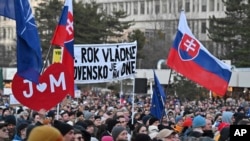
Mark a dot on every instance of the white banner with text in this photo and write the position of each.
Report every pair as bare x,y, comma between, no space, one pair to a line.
95,63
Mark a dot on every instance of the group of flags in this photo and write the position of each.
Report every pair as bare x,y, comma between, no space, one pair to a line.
187,55
29,51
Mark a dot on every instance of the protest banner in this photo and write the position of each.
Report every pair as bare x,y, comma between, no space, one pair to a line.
95,63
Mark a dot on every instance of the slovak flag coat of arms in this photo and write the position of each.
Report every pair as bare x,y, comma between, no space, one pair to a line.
64,37
191,59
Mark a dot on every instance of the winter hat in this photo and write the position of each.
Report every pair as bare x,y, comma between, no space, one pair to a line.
107,138
85,134
226,116
64,128
152,120
116,131
88,115
164,133
187,122
45,133
142,137
198,121
178,118
10,119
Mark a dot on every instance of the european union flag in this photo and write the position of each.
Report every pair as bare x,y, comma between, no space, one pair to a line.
29,54
158,100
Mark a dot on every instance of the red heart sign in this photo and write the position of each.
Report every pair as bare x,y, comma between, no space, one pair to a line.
51,90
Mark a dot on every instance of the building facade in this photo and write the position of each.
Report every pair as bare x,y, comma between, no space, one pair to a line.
164,15
8,39
148,15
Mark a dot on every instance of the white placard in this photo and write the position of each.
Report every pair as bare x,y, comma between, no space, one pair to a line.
7,91
77,93
13,100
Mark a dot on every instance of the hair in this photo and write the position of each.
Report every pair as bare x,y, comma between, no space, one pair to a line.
217,116
34,114
136,130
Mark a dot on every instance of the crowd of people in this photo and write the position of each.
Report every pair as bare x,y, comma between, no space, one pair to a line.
105,118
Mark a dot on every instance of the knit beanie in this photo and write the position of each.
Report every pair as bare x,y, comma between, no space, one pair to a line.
107,138
187,122
198,121
88,115
116,131
10,119
64,128
45,133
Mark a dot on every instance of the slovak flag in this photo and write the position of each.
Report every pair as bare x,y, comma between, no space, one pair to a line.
64,37
191,59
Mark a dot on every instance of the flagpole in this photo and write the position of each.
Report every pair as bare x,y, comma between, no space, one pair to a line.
46,59
133,101
121,92
169,80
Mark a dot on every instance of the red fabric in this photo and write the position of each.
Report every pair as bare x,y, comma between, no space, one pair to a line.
187,122
223,125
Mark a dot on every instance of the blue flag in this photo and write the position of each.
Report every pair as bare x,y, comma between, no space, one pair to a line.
158,100
29,54
7,8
